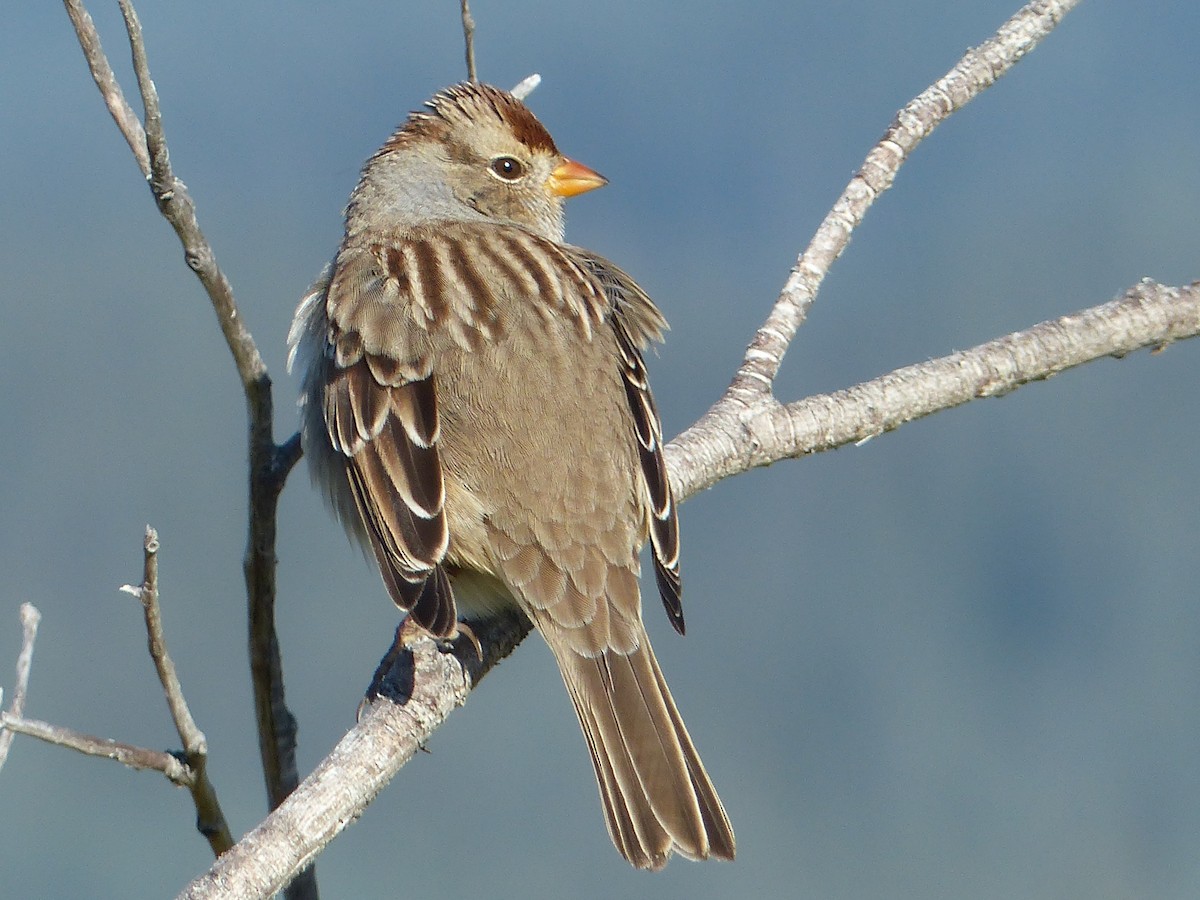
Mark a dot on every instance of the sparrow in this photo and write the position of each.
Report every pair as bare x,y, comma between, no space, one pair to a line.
476,408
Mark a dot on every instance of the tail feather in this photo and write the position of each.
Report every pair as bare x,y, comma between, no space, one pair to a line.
722,844
634,829
656,795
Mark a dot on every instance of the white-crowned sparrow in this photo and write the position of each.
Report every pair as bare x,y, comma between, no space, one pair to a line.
476,406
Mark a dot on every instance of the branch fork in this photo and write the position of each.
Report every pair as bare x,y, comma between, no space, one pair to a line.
187,768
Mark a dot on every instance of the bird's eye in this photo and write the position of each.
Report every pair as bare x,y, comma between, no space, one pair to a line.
506,168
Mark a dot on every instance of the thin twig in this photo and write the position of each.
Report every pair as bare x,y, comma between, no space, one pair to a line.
191,736
30,617
102,73
210,820
178,208
468,25
156,141
177,771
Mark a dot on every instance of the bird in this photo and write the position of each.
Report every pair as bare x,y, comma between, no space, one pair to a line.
476,407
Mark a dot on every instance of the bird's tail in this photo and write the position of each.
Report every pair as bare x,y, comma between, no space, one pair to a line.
657,797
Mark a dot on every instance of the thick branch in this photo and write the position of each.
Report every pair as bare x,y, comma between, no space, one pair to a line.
734,437
419,690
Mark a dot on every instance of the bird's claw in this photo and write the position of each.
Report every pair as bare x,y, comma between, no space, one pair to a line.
465,630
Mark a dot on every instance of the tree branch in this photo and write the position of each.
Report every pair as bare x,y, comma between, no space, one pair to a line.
468,25
187,769
420,688
978,70
30,617
735,437
210,820
177,771
102,73
269,463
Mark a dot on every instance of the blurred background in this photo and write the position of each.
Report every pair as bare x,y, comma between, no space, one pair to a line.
960,660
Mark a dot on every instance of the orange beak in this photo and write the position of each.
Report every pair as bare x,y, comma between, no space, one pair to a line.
573,178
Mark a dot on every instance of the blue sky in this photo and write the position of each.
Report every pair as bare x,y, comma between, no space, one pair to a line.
956,661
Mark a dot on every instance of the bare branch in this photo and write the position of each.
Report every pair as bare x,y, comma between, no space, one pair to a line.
177,207
974,73
737,437
418,691
156,142
269,464
187,769
30,617
170,765
147,593
468,24
210,820
277,727
106,81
